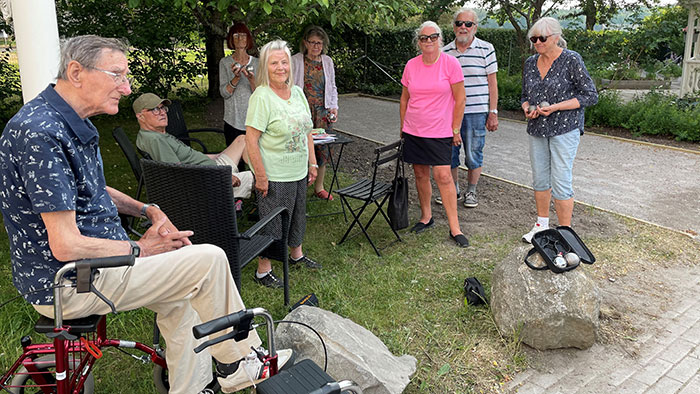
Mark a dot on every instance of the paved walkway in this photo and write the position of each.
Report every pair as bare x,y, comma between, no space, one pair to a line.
651,183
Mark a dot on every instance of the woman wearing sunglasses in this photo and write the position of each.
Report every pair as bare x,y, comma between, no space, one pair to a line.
556,88
432,106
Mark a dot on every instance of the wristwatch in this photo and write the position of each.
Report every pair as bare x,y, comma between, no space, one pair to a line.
494,111
135,248
145,207
455,131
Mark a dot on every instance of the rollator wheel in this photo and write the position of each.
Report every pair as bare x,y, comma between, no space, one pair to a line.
47,368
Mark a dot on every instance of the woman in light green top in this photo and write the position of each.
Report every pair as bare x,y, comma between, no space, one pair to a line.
280,149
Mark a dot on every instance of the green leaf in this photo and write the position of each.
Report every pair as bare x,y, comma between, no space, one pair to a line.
221,5
444,369
323,3
267,7
134,3
334,19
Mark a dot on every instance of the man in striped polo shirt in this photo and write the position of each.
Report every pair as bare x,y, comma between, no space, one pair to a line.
478,60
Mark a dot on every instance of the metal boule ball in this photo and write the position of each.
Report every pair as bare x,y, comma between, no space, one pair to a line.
560,262
249,69
544,104
332,117
236,66
532,108
572,258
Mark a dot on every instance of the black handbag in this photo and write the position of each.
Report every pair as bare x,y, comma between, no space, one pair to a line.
398,200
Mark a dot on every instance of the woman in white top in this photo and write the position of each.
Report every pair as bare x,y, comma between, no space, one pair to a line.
236,82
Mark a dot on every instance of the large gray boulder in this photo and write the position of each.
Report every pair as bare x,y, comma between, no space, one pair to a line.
354,353
546,310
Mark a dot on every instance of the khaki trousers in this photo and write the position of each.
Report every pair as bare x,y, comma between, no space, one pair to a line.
184,287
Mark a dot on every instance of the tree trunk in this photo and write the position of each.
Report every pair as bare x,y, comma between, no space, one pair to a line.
214,45
214,34
591,12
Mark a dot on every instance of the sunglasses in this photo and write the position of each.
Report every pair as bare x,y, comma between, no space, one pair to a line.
534,39
433,37
464,23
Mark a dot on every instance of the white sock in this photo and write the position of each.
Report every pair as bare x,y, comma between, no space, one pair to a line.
543,222
260,276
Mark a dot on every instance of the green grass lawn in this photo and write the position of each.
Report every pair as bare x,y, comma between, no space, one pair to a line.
411,298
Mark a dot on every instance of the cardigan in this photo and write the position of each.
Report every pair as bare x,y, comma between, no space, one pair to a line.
330,96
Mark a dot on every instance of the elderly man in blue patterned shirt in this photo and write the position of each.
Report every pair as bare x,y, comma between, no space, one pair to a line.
57,207
478,60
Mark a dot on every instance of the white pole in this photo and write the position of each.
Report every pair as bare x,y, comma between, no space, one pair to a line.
38,47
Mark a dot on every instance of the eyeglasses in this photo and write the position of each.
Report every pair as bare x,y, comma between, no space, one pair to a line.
159,110
464,23
240,35
433,37
534,39
315,43
119,79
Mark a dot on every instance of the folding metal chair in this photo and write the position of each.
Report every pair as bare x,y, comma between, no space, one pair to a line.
372,191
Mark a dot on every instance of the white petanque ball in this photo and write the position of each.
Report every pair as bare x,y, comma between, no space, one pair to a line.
236,66
560,262
572,258
544,104
532,108
249,69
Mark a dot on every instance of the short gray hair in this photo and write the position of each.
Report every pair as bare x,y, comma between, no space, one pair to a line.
263,79
422,26
314,31
87,50
547,26
467,10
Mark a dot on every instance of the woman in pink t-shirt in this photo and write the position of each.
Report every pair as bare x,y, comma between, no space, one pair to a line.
432,106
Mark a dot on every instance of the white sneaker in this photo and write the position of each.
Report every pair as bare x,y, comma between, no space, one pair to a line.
527,238
251,371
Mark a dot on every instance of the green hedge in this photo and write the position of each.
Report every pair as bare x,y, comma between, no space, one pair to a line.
654,113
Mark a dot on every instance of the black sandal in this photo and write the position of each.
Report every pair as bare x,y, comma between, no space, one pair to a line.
420,226
461,240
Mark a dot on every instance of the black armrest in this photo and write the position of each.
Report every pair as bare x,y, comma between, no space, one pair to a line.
267,219
197,141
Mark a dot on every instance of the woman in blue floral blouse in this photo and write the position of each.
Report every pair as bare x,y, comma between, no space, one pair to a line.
556,88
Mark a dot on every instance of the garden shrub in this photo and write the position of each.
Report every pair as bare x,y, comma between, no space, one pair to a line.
10,88
509,90
654,113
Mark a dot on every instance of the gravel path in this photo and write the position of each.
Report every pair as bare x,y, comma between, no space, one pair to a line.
657,184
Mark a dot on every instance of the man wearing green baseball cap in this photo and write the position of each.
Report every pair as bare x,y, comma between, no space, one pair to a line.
151,113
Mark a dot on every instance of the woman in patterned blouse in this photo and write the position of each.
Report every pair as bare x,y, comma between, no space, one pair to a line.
556,88
314,72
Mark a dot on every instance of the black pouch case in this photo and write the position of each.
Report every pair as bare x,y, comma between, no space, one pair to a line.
551,242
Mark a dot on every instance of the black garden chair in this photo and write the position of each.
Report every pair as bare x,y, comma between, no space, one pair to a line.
178,127
200,198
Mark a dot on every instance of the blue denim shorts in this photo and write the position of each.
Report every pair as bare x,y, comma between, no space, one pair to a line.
473,133
552,161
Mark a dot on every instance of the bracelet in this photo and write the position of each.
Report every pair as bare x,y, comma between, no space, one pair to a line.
232,85
313,165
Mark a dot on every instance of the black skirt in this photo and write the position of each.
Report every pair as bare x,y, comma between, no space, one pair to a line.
427,151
